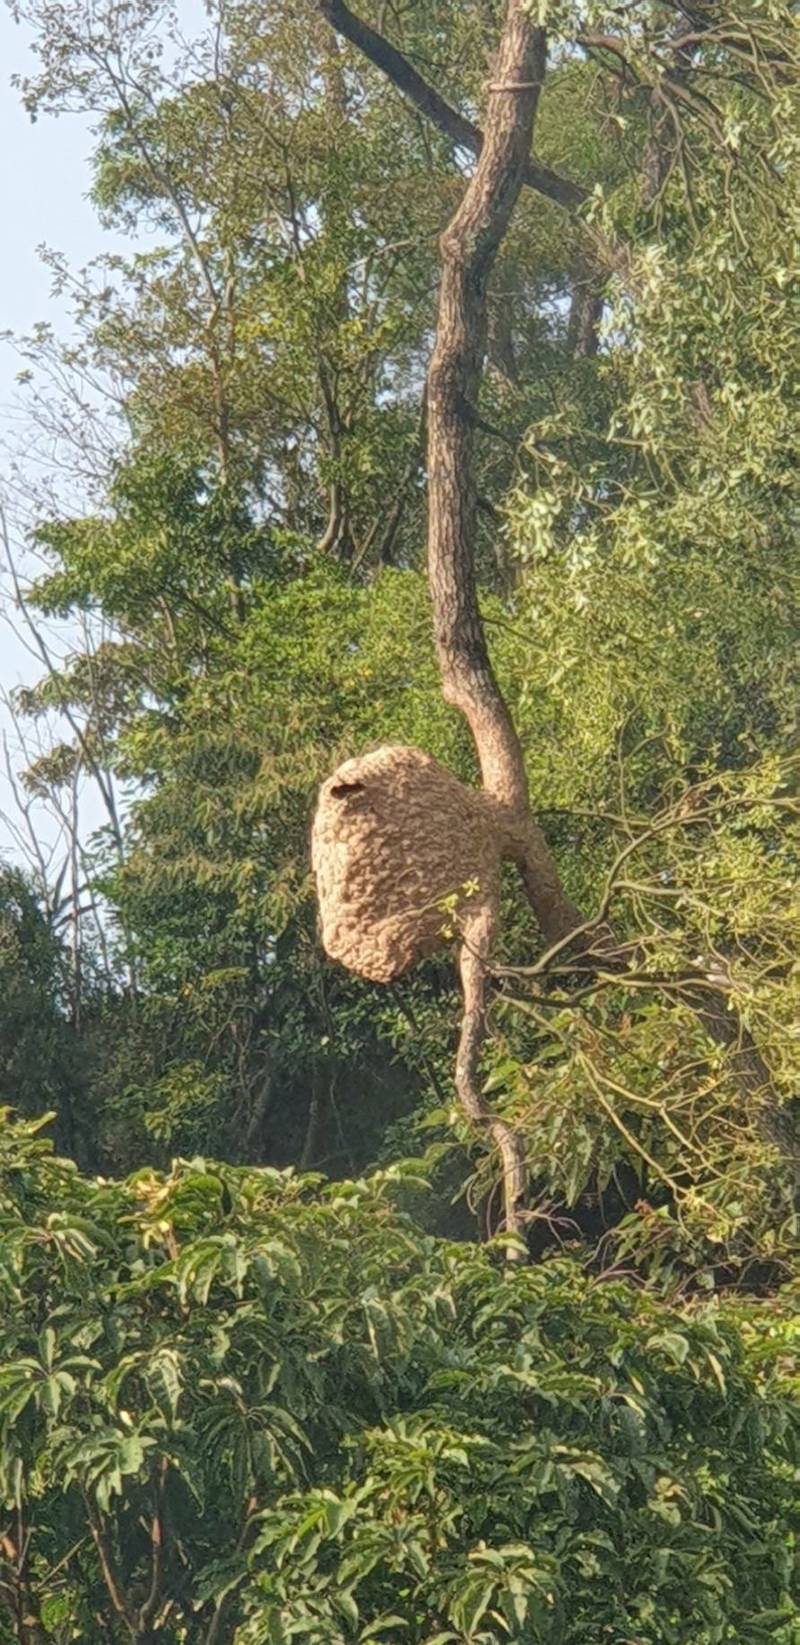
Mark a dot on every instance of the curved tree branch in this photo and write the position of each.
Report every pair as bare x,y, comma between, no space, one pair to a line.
478,935
469,247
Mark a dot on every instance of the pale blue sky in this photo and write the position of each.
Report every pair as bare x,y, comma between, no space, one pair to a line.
45,177
44,182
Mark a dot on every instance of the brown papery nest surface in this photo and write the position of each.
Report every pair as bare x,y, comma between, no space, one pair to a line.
395,834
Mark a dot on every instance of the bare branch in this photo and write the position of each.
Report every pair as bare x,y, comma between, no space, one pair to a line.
475,950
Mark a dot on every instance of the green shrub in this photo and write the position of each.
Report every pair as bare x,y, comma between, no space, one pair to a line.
239,1405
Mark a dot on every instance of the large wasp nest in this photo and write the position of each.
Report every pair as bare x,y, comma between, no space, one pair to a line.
395,835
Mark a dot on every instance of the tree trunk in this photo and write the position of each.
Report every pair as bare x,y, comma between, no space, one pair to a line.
585,314
469,248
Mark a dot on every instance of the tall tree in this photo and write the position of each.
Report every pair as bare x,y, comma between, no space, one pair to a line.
468,251
616,518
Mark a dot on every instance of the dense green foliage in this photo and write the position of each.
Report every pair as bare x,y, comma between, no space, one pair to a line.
242,1402
237,1405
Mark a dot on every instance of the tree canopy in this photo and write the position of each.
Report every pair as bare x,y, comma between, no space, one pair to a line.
313,1405
235,1404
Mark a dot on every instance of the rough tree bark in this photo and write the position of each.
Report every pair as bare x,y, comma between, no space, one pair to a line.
469,247
585,314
